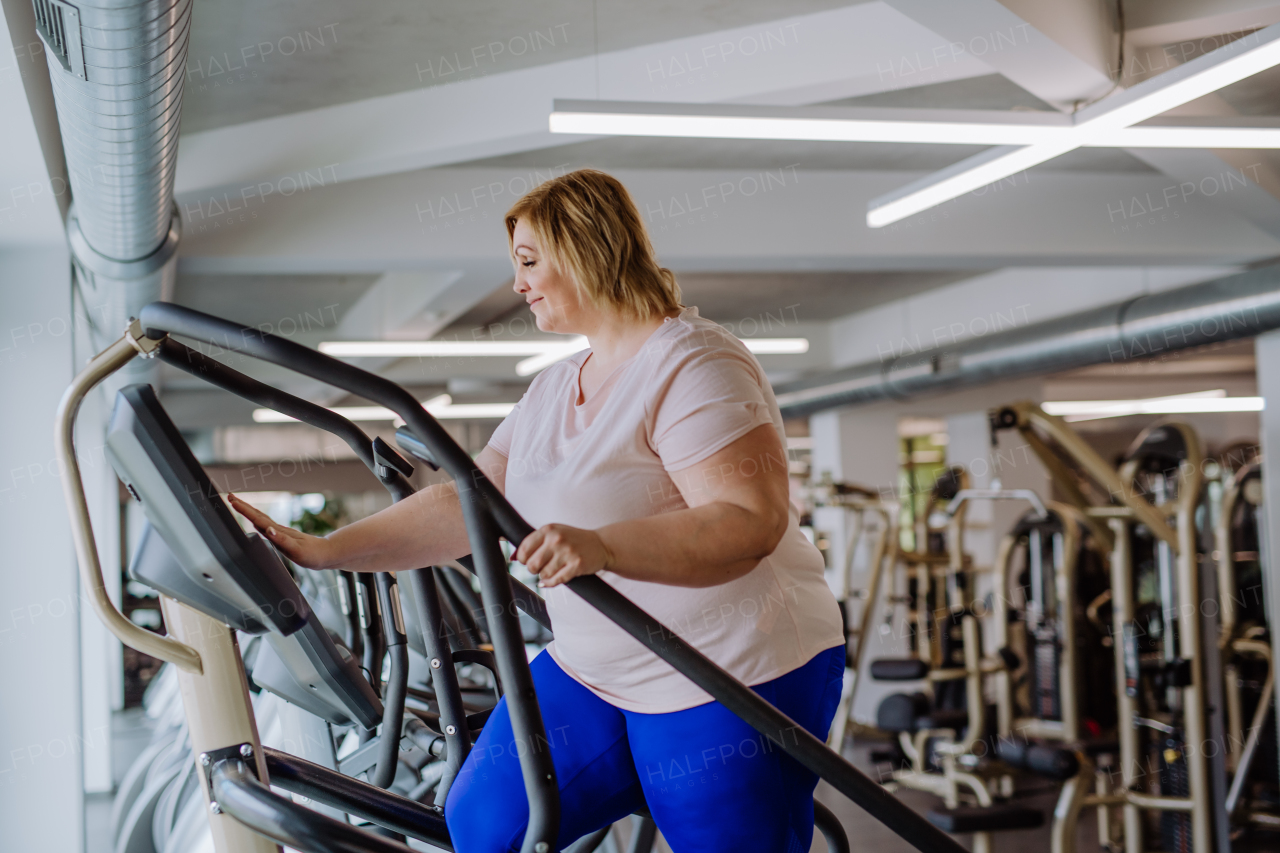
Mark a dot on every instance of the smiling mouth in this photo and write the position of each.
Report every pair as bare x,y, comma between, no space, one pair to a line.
535,302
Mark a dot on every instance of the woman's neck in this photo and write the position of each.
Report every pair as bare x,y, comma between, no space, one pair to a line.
617,338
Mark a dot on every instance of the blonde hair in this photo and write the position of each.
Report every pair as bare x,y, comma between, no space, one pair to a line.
589,228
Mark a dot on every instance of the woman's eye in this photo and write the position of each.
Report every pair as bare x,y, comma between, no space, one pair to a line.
526,263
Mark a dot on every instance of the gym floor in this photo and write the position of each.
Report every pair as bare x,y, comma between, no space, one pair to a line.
131,730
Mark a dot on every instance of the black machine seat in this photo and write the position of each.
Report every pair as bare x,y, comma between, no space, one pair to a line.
990,819
912,712
1053,762
941,718
192,550
899,669
219,570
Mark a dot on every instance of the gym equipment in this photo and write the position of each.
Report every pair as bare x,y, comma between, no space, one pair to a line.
873,521
1176,665
233,765
940,733
1048,724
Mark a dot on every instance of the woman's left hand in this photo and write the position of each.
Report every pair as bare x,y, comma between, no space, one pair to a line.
557,553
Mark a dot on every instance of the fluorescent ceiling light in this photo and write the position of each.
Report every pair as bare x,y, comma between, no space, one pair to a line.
1191,137
1201,76
805,129
920,129
542,354
530,366
1178,404
759,346
777,346
437,349
441,407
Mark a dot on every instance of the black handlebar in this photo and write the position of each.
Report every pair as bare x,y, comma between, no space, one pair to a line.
488,515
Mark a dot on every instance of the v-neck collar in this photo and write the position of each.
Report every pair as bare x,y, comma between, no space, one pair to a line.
608,380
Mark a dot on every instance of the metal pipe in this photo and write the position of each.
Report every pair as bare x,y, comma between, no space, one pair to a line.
239,794
1161,804
1189,642
1066,812
117,72
1255,732
1238,306
879,567
513,667
397,681
371,803
1068,666
1121,615
1000,620
424,596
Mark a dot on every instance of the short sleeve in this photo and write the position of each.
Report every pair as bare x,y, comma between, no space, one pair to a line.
501,438
712,398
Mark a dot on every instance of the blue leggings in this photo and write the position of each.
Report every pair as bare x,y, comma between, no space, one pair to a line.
712,783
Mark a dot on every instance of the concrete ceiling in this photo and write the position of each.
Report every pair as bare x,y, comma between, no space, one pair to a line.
252,60
330,150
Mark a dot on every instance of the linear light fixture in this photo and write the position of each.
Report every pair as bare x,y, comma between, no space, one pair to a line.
1201,76
906,126
759,346
1177,404
441,407
812,124
438,349
543,353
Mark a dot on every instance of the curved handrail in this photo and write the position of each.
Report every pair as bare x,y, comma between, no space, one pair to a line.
100,367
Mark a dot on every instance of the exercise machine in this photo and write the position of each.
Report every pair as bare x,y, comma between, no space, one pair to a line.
234,769
1176,639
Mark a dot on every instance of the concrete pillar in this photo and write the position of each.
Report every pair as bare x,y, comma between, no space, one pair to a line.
1267,350
853,446
858,446
42,742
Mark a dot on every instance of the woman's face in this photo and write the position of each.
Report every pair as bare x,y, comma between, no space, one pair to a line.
552,296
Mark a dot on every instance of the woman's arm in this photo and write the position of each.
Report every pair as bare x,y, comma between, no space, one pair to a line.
424,529
738,503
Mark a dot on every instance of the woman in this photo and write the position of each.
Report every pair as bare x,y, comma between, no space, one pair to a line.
656,459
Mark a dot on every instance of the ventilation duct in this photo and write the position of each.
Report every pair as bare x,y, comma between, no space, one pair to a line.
1240,306
117,70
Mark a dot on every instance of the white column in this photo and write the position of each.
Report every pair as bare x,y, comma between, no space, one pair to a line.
1267,350
859,446
853,446
42,743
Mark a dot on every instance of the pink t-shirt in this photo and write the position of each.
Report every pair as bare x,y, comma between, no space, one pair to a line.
689,392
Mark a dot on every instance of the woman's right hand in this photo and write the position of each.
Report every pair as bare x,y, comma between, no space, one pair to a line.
312,552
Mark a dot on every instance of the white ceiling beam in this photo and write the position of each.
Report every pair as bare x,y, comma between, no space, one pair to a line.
726,220
1031,53
1258,201
401,305
1182,24
1201,76
855,50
